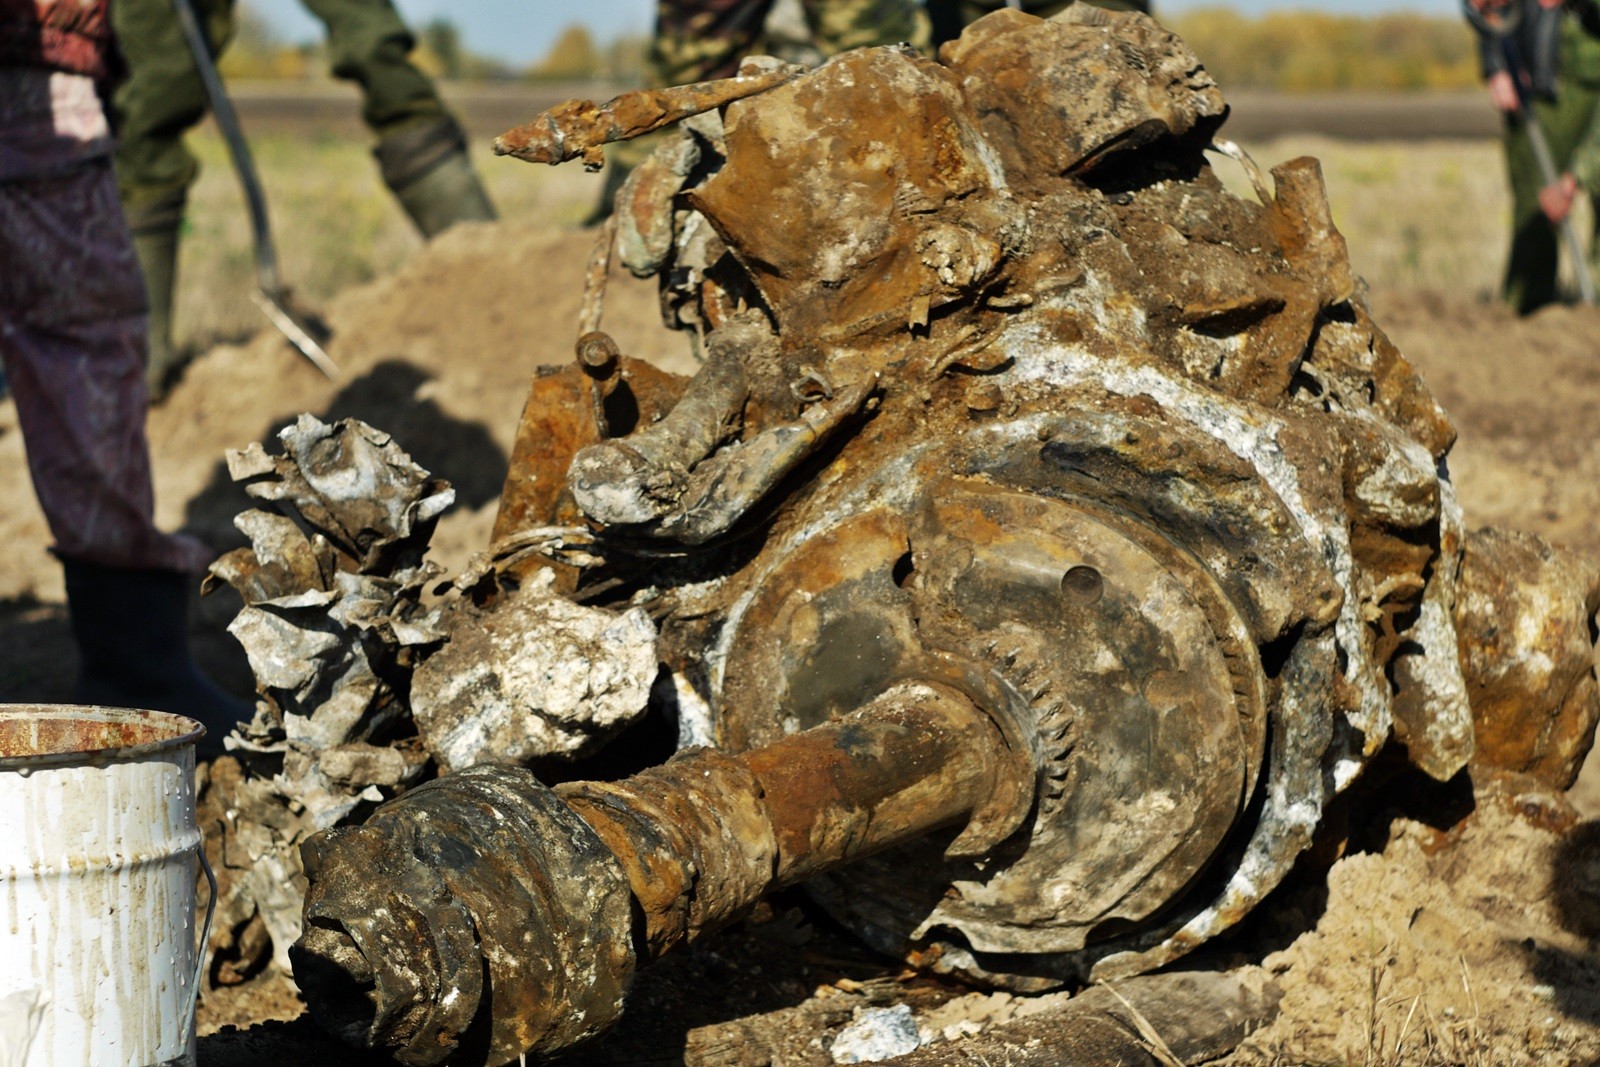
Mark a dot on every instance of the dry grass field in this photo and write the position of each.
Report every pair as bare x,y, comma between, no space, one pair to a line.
334,223
1428,215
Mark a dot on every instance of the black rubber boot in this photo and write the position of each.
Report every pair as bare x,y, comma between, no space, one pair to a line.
427,169
133,647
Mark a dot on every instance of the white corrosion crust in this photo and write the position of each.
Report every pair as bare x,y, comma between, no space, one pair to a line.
537,676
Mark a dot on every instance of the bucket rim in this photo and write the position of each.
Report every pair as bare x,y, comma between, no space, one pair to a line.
187,733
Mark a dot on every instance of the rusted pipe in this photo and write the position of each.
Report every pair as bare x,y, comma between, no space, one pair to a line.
595,275
575,128
483,917
918,758
641,481
707,835
601,360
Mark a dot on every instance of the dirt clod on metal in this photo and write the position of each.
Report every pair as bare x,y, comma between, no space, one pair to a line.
1048,537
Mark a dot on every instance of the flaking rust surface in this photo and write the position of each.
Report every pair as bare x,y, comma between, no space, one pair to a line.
1053,423
1086,316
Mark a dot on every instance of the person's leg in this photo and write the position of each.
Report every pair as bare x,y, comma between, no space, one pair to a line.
72,338
1571,127
151,110
427,169
840,25
1530,277
698,40
73,348
946,20
422,150
369,44
1141,6
1567,121
1594,236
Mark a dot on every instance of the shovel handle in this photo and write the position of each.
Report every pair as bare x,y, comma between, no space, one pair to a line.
244,166
1550,175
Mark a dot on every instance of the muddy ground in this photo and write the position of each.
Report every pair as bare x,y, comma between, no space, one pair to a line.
1440,929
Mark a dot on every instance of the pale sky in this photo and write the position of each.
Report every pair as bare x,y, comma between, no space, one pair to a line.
521,31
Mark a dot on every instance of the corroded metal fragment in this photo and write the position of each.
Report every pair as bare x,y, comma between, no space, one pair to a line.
1048,536
332,587
370,681
1523,614
536,676
1103,84
577,128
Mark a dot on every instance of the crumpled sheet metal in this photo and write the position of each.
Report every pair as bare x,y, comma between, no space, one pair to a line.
353,485
341,626
858,238
333,577
332,587
1147,87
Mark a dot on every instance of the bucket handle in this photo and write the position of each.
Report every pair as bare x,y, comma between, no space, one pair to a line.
205,945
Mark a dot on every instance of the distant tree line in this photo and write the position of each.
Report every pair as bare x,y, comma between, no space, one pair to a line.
1291,51
258,52
1309,51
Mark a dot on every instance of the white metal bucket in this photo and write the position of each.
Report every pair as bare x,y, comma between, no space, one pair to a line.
98,846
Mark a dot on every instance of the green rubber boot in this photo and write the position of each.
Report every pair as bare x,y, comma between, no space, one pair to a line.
156,245
427,169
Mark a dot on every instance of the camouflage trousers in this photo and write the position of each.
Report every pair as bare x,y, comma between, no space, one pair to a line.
163,97
1571,125
950,17
697,40
72,327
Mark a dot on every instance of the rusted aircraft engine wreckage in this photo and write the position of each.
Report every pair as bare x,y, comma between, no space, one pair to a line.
1047,537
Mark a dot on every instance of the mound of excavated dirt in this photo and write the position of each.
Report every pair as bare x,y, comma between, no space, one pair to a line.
1466,945
1525,396
439,354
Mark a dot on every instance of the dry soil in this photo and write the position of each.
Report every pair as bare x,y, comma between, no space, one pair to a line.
1443,930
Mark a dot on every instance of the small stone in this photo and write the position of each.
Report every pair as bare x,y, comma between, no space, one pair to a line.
983,397
878,1034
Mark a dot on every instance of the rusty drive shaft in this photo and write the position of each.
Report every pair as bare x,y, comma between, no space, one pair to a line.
483,916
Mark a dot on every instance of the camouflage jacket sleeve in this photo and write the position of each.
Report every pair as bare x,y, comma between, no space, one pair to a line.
1585,164
1491,58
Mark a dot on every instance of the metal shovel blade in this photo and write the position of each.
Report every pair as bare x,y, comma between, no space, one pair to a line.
297,332
272,296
